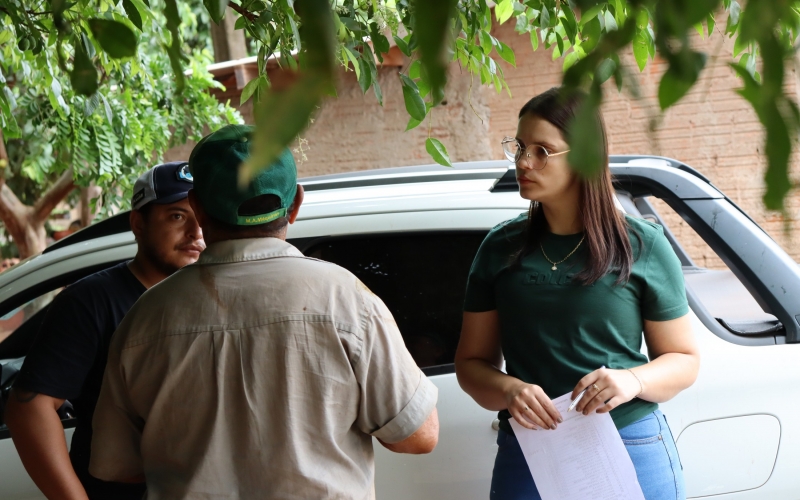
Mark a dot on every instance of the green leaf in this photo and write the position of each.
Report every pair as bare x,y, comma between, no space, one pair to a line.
240,23
433,31
586,154
83,77
570,60
681,75
640,49
739,45
699,29
438,152
506,53
298,45
353,59
12,101
414,103
174,49
611,23
710,23
365,78
570,24
116,39
107,108
412,123
535,39
414,70
402,45
544,18
251,88
605,70
591,33
590,14
503,10
216,9
486,41
133,13
379,41
733,14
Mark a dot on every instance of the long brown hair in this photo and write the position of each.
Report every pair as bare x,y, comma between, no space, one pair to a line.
606,227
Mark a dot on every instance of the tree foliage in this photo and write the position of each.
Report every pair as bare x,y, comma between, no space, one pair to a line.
312,36
88,87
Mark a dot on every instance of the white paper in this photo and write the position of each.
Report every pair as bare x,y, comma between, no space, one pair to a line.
583,458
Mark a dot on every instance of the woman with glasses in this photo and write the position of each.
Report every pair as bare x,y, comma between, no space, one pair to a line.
563,294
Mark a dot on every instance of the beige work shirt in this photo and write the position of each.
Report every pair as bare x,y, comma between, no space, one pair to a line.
256,373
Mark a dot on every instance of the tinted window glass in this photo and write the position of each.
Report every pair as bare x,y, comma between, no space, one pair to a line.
420,277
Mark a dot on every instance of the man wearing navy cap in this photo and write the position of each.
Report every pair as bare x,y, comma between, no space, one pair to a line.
69,356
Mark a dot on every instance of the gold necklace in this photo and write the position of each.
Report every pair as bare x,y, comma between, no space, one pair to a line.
555,264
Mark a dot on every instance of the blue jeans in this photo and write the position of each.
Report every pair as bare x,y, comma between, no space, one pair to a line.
649,443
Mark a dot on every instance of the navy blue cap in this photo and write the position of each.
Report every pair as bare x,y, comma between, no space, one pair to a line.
162,184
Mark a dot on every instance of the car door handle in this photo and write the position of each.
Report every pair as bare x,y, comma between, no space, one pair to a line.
496,424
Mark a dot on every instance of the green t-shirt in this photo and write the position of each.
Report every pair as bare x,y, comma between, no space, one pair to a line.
553,331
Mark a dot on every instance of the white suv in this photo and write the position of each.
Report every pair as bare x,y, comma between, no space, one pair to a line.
410,234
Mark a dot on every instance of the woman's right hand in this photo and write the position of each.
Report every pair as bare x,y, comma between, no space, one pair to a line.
530,406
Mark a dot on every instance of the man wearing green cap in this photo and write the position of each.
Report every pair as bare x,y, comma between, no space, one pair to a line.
257,372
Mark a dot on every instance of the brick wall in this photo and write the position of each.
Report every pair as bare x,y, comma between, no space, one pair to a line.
712,129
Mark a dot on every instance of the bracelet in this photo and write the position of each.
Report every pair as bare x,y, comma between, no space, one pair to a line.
641,387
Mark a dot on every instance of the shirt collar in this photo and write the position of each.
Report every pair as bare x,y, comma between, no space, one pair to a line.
247,249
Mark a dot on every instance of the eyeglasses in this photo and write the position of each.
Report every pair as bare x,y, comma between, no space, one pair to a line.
535,155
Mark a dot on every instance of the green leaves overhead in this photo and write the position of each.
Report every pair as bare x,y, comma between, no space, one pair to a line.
97,97
116,39
432,31
309,37
282,115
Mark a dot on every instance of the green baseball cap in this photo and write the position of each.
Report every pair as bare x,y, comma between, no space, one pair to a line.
214,164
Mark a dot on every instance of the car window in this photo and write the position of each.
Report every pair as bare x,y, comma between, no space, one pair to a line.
16,317
719,291
420,277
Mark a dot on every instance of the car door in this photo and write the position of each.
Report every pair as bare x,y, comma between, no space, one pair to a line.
421,276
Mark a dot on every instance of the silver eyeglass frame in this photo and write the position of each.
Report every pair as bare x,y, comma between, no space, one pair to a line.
528,157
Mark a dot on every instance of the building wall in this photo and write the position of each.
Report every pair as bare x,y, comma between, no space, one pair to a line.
712,128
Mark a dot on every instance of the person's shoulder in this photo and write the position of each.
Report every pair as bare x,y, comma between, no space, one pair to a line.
646,230
99,282
508,231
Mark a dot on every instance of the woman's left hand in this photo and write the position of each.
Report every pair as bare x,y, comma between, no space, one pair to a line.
607,389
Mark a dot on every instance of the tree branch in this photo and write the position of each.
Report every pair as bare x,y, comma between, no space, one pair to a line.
241,10
53,196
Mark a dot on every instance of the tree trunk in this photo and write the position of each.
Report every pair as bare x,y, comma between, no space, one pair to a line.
24,223
229,44
87,195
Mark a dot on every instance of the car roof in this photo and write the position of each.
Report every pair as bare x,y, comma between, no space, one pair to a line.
467,186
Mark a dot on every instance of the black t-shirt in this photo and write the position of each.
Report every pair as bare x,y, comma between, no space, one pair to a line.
69,357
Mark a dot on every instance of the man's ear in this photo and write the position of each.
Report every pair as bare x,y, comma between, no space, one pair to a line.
137,223
298,200
199,213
